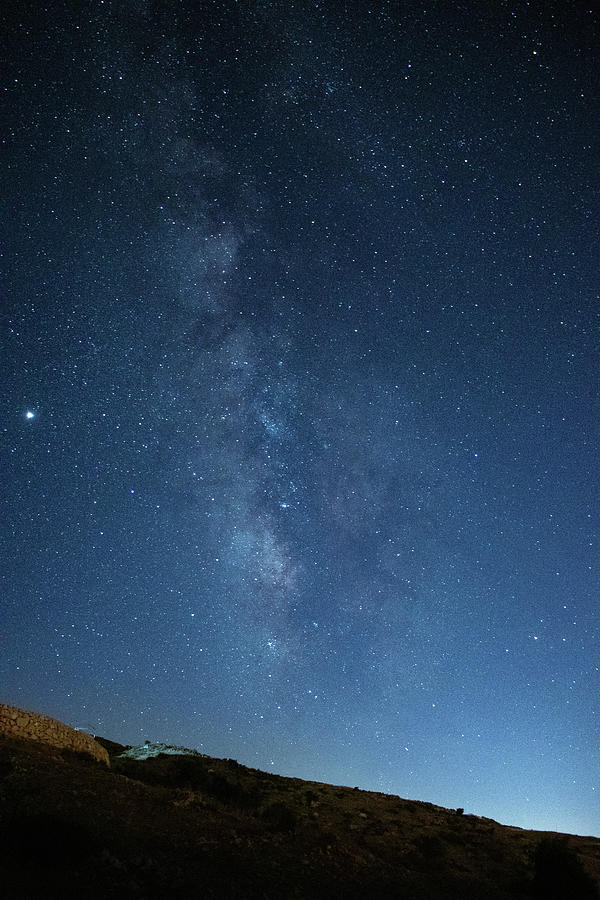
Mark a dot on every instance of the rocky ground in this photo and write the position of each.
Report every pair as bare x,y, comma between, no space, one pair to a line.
175,825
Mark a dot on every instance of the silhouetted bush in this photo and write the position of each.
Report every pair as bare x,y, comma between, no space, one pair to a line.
222,789
280,817
559,874
171,771
430,846
188,771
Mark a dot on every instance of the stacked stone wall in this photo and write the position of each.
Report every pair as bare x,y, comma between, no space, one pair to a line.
35,727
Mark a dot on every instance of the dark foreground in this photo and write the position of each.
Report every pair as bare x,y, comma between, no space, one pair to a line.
197,827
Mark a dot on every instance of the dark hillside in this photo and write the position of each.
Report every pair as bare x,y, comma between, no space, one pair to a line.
191,826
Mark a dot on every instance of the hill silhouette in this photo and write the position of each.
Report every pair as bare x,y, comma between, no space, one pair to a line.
174,823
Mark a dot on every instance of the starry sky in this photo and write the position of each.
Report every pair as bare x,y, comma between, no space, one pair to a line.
298,354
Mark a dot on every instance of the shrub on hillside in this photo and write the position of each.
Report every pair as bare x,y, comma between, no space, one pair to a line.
280,817
559,874
430,846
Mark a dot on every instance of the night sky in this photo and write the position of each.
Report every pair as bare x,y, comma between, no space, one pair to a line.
298,383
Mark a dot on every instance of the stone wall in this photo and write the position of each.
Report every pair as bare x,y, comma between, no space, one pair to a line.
35,727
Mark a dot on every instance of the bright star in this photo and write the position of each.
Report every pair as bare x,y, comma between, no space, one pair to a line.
29,414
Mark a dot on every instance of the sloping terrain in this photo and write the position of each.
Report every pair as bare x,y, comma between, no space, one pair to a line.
176,825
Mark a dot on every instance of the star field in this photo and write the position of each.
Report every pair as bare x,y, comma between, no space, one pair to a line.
299,437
